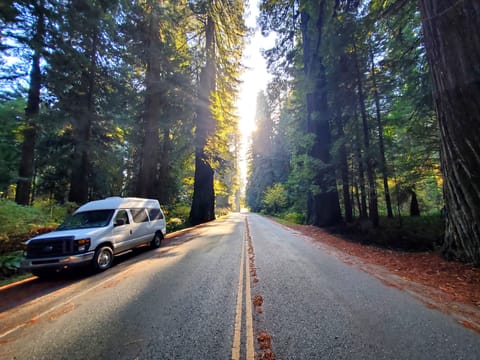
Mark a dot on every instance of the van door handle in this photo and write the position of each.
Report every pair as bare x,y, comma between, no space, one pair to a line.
130,232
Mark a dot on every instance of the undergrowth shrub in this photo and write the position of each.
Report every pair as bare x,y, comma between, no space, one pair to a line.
10,263
294,217
176,216
417,233
19,223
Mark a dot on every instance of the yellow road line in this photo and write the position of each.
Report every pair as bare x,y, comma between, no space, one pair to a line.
238,315
249,316
237,335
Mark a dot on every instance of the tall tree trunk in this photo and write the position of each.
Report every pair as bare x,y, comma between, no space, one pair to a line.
362,203
323,207
203,203
452,42
27,159
146,181
383,161
347,203
372,188
165,176
414,207
81,158
356,196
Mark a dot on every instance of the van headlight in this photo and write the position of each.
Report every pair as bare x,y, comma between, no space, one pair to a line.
81,245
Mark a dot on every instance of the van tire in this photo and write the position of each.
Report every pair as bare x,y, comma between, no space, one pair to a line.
103,258
156,241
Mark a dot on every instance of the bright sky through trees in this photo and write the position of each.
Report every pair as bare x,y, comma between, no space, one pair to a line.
254,79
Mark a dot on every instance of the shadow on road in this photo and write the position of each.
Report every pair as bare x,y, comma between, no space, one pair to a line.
28,290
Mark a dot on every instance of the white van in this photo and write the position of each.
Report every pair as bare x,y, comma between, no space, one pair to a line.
95,233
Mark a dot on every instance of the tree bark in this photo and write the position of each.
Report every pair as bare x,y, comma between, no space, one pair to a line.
203,203
414,208
323,207
165,176
146,181
27,159
452,42
86,111
381,144
344,174
372,187
362,203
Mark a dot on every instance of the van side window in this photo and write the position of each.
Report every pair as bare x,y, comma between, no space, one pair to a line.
139,215
122,216
155,214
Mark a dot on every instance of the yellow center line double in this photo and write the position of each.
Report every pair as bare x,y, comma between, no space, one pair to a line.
237,335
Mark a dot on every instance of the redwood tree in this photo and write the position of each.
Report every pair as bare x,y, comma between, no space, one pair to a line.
452,42
323,207
203,203
154,101
26,167
220,52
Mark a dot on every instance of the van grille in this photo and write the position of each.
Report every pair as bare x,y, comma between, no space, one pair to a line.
45,248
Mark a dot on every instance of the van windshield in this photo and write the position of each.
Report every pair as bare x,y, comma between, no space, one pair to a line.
87,219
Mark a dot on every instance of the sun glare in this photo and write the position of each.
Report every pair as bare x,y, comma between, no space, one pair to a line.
254,80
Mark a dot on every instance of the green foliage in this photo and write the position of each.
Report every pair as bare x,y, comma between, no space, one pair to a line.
379,46
11,112
177,216
19,223
269,162
95,96
222,211
423,233
16,219
10,263
54,212
294,217
275,199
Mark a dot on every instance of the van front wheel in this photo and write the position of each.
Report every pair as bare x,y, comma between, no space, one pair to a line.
156,241
103,258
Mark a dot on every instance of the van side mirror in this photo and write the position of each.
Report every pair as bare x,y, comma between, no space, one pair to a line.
119,222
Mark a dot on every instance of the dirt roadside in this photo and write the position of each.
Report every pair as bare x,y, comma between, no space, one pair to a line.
448,286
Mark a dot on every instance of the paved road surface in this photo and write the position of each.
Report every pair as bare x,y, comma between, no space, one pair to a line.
186,300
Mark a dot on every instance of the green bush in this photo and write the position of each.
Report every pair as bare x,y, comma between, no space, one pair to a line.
10,263
419,233
176,216
19,223
275,199
54,212
294,217
17,219
222,211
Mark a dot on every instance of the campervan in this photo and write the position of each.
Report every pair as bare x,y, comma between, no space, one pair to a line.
95,233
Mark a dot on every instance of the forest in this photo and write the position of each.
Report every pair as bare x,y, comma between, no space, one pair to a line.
372,121
108,98
372,115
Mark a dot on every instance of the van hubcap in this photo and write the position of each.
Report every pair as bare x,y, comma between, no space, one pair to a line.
104,259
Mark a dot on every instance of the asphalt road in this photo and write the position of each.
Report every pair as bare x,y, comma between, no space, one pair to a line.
186,300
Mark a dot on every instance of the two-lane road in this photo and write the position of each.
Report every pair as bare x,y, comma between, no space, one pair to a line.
187,300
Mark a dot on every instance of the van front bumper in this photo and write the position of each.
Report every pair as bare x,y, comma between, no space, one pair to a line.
57,262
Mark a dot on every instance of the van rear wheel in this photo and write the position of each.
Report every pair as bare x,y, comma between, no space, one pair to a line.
103,258
156,241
